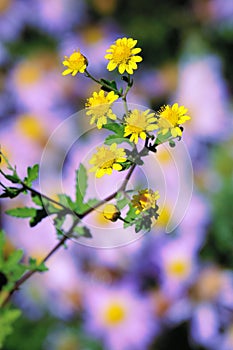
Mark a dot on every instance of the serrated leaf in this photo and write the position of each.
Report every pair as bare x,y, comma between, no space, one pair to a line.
32,174
81,187
65,200
81,231
23,212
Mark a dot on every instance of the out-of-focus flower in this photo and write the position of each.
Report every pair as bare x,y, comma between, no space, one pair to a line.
111,212
76,63
121,317
177,263
35,82
107,159
145,200
123,54
170,119
100,107
139,123
202,89
58,17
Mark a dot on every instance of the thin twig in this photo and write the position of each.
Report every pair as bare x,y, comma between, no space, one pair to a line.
28,274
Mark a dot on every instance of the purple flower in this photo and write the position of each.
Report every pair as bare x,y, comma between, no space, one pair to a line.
122,318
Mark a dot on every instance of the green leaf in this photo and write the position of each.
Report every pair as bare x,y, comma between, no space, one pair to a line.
81,231
89,204
14,258
65,200
11,192
37,199
81,187
34,266
7,318
122,203
111,85
115,127
32,174
13,178
24,212
130,216
116,139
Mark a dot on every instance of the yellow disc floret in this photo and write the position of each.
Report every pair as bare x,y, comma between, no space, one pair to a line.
139,123
107,159
170,118
76,63
123,54
100,107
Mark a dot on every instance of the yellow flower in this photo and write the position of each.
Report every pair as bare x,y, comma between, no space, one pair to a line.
111,212
100,107
170,118
75,63
123,54
145,200
139,123
107,159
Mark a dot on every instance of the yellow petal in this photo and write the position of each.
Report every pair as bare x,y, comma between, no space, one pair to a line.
121,68
117,166
111,66
67,71
136,50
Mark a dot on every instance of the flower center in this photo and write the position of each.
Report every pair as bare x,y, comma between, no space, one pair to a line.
31,128
168,115
100,106
121,54
114,314
178,268
76,61
27,74
137,123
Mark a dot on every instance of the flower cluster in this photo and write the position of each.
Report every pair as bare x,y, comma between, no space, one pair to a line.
145,199
162,126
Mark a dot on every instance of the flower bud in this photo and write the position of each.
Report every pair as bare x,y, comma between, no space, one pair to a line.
111,212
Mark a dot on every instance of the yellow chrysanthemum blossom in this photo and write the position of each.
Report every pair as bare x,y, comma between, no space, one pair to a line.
123,54
139,123
107,159
145,200
111,212
170,118
100,107
76,63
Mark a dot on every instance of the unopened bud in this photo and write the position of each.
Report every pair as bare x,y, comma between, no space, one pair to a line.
111,212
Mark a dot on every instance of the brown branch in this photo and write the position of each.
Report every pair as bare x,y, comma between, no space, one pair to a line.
28,274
